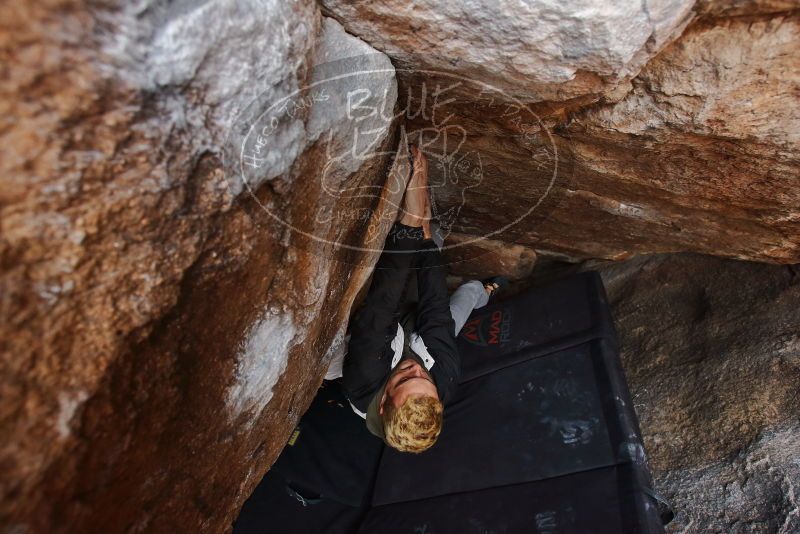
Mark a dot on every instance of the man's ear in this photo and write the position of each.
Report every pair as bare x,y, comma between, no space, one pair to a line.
383,400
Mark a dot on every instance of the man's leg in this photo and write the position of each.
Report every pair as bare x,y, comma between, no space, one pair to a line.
469,296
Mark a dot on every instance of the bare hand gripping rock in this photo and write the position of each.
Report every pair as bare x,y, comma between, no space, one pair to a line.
402,363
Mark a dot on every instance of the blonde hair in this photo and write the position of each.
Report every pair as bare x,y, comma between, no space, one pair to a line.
415,425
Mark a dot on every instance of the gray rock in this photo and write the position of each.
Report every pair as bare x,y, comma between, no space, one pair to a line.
547,49
711,349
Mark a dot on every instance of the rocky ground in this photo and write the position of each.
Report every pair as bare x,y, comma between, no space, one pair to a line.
711,350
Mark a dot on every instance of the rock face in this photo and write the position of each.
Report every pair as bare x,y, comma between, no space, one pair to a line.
696,149
536,51
702,155
711,349
471,258
153,302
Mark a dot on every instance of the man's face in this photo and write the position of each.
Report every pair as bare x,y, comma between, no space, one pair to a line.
408,378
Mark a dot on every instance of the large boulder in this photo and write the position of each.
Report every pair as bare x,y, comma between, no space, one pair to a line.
598,129
537,51
711,350
701,155
468,257
167,309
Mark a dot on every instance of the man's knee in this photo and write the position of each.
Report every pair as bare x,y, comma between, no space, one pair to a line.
474,285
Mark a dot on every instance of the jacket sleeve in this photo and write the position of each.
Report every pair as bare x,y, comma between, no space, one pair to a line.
374,326
434,322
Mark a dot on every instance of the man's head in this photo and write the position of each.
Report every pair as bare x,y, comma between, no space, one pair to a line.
410,408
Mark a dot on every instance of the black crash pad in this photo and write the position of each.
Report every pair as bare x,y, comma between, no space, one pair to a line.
331,453
600,501
274,508
323,479
537,419
544,396
540,437
541,321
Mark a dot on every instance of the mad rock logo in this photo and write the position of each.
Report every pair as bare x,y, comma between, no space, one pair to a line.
488,330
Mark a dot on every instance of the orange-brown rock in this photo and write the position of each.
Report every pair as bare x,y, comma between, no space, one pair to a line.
696,151
468,257
161,332
701,155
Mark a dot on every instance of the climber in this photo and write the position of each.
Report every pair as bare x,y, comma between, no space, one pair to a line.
402,363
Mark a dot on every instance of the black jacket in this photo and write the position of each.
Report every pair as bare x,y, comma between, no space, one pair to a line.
367,363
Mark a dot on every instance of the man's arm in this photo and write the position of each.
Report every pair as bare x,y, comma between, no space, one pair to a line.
374,326
434,322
